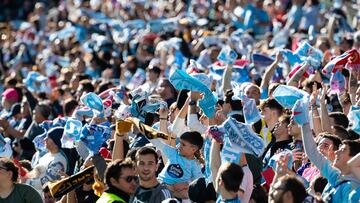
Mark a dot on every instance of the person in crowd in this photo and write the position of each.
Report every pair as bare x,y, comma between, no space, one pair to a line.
149,190
227,178
122,181
183,165
48,167
71,71
11,190
338,173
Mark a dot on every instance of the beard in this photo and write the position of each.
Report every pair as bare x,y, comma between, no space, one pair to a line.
147,177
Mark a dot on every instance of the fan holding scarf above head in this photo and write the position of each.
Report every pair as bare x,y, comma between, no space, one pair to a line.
182,80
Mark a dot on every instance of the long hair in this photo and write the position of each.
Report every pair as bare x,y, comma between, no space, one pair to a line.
198,155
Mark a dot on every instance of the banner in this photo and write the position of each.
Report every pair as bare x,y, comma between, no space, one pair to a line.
146,130
62,187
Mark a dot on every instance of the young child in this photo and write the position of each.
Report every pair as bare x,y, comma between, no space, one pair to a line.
183,165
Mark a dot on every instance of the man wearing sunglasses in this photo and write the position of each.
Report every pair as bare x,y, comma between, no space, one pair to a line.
150,190
122,181
10,190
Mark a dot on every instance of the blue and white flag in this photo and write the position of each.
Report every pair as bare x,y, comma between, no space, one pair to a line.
93,101
288,95
227,55
354,118
241,134
93,136
251,112
71,134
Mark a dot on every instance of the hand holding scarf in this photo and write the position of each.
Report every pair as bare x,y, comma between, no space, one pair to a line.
182,80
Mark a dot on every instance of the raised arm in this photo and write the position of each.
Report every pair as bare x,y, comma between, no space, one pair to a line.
314,111
215,160
122,128
296,78
163,112
353,86
193,122
270,72
330,28
316,157
226,80
178,126
325,119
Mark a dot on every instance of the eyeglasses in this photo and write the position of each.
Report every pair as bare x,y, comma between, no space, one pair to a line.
129,179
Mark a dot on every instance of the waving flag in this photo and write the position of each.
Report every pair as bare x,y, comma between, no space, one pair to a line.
251,112
288,95
305,53
93,136
5,147
290,57
300,112
72,132
84,111
262,60
62,187
239,138
337,83
354,117
227,55
140,105
114,92
343,59
2,143
353,61
92,101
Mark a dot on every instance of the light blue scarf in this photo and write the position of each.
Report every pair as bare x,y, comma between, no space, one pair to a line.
237,138
242,135
181,80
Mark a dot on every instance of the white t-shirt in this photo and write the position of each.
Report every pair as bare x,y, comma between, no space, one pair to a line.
48,169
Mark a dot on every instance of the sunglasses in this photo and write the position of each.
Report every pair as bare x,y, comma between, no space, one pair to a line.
129,179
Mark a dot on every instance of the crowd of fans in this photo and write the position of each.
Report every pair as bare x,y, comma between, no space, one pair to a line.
180,101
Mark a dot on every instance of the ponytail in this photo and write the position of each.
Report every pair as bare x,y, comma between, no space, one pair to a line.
199,157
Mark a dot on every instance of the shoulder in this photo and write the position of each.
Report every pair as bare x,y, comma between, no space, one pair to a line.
24,187
163,192
26,190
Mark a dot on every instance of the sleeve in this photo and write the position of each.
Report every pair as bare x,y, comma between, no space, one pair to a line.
195,125
316,158
163,194
165,149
